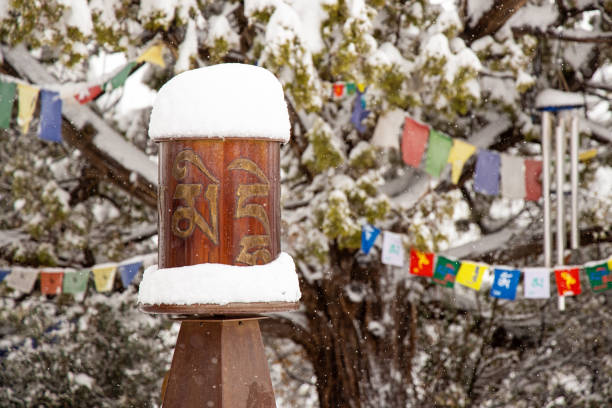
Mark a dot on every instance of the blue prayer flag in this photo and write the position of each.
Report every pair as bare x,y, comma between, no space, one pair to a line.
486,179
505,283
359,112
50,116
128,272
369,233
3,273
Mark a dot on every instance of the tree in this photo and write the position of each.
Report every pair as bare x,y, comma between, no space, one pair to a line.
470,69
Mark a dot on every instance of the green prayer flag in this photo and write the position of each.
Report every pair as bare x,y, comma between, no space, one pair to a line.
119,79
7,98
437,152
75,282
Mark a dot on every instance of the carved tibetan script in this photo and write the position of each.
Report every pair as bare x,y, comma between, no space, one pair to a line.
254,249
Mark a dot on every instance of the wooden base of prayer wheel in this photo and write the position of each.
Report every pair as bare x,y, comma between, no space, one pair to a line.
230,309
219,364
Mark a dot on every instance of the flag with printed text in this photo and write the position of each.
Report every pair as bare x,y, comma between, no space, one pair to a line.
369,233
533,184
22,279
445,271
28,96
512,176
421,263
104,276
505,283
75,282
471,273
50,116
393,249
568,281
537,283
51,282
600,276
486,178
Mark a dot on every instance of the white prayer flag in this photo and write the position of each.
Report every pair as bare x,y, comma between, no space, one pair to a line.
537,283
22,279
388,129
512,176
393,250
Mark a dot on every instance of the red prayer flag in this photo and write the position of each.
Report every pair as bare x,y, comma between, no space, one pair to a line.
89,96
568,281
414,140
338,89
51,282
533,185
421,263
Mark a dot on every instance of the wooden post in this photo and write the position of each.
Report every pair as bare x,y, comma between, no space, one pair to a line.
219,203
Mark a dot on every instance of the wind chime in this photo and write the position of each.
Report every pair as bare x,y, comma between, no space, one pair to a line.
563,107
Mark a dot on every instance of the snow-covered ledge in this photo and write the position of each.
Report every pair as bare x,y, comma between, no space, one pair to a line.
220,284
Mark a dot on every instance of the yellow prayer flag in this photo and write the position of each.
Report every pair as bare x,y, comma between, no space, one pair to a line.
104,276
361,87
470,274
459,154
587,155
154,55
28,96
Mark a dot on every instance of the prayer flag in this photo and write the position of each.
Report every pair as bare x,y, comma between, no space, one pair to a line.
119,79
359,113
92,93
22,279
369,233
568,281
458,155
537,283
437,152
3,273
51,281
533,185
338,89
421,263
486,179
393,250
75,281
414,140
154,55
388,128
28,95
128,272
587,155
351,88
470,274
446,271
361,87
505,283
512,176
600,276
50,116
104,276
7,99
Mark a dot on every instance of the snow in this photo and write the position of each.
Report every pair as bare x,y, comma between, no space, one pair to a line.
221,284
4,8
188,47
476,9
555,98
225,100
78,15
220,28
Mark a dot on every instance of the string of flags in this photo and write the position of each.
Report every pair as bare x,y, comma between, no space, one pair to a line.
427,148
29,95
446,271
54,281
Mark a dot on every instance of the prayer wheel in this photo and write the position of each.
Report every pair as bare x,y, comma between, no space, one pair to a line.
219,131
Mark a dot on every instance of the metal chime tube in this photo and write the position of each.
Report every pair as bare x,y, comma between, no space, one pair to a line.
546,135
575,239
560,170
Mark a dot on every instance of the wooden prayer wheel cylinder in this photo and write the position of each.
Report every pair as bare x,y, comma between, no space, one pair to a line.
219,217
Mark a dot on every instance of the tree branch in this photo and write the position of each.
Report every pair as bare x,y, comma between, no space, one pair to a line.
602,38
492,20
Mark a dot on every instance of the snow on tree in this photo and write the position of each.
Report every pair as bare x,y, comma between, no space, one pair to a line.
374,336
